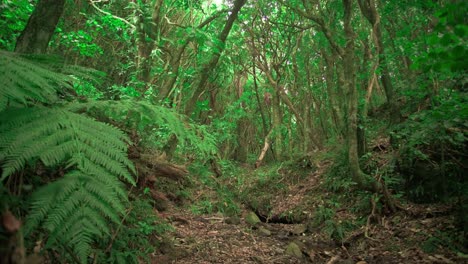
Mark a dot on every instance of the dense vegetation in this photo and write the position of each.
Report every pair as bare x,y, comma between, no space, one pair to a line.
112,112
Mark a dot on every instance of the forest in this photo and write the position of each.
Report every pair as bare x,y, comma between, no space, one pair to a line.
233,131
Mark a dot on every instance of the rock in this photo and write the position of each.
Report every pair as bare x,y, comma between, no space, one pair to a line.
300,244
264,231
252,219
299,230
294,250
233,220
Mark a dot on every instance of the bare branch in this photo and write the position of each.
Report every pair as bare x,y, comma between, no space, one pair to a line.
93,3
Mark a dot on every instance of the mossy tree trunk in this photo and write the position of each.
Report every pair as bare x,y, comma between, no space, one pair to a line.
207,69
40,27
349,73
369,10
146,41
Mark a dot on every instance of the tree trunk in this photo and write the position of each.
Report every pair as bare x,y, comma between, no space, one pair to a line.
352,98
276,126
147,34
369,10
332,95
208,68
167,85
40,27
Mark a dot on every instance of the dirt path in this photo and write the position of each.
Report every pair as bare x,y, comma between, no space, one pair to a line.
416,234
215,239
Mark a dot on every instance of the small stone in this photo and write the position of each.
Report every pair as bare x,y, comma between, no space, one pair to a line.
233,220
252,219
294,250
299,230
264,231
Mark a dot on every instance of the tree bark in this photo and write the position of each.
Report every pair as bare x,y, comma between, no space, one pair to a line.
147,33
41,26
352,98
208,68
369,10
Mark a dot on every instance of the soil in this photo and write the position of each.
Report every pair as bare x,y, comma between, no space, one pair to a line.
415,234
217,239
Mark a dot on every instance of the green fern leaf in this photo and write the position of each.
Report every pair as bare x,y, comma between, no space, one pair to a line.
37,78
143,114
76,209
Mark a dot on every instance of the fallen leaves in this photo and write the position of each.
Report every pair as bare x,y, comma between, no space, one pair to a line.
10,222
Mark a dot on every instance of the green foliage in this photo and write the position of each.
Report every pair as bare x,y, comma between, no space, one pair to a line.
134,241
448,42
323,214
30,79
80,42
325,218
337,178
444,239
75,209
123,92
87,89
222,198
203,207
25,80
433,139
158,122
13,17
58,137
432,143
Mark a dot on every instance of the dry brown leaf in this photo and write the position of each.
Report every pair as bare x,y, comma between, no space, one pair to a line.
10,222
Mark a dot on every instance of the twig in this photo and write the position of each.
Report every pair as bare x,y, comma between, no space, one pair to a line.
372,215
333,260
118,230
93,3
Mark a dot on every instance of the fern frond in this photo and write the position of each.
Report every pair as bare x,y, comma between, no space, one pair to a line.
25,80
37,78
104,177
77,208
78,234
60,136
77,214
145,114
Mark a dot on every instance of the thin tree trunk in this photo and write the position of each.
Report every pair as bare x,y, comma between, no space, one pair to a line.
332,95
168,85
208,68
174,68
352,98
276,125
147,34
369,10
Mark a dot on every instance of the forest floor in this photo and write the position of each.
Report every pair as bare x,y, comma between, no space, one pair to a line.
415,234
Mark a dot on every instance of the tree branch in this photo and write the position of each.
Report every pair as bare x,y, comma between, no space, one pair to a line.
93,4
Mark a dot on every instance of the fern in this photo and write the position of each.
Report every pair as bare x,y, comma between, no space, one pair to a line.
75,209
36,78
24,80
143,114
